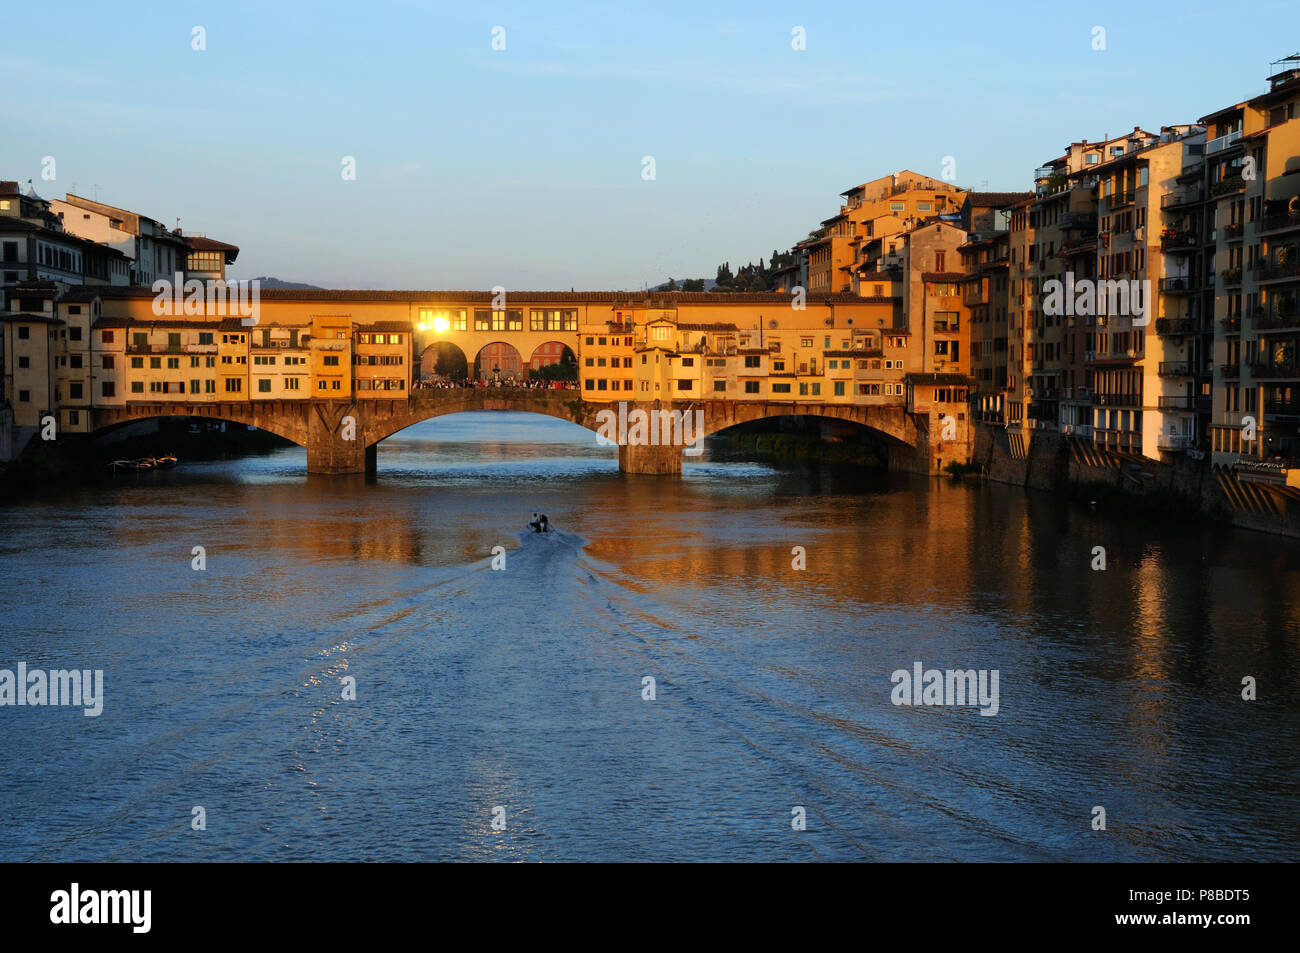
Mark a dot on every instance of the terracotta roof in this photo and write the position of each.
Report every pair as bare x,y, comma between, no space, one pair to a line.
715,326
938,379
995,199
385,326
516,298
31,317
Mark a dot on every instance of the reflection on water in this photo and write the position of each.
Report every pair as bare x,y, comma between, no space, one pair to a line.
523,689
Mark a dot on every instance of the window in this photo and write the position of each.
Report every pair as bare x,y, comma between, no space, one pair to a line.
839,388
291,383
137,362
24,362
107,389
137,387
719,385
106,337
684,383
331,360
23,332
106,362
752,360
751,387
155,363
896,206
781,388
264,385
173,363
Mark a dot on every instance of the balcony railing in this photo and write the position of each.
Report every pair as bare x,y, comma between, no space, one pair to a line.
1180,197
1182,402
1282,408
1175,369
1230,371
1231,276
1078,220
1280,316
1182,283
1262,371
1177,326
1175,441
1227,185
1118,400
1268,270
1233,231
1221,143
1280,220
1178,242
1231,325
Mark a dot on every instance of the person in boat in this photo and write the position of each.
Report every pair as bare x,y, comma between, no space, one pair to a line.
546,527
535,524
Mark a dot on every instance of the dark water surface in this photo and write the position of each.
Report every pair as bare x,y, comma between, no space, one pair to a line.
522,689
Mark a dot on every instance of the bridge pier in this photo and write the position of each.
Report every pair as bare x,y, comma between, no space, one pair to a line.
660,459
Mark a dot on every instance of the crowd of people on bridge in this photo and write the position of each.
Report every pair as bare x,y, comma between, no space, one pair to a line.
529,383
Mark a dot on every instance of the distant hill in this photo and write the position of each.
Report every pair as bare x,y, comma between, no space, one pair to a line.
268,282
708,284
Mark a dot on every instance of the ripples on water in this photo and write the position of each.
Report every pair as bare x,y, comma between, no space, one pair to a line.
523,688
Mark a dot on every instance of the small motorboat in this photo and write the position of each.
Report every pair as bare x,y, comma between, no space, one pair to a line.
165,461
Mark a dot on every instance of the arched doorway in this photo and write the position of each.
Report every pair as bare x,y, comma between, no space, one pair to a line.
498,361
443,361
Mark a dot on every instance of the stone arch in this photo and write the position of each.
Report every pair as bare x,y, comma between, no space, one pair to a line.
443,360
291,425
498,358
551,352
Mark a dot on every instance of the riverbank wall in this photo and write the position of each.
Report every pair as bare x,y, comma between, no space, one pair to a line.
1180,486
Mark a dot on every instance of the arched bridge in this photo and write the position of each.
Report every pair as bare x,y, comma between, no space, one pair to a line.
341,436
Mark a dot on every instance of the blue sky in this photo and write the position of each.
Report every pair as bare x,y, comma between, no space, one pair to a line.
522,167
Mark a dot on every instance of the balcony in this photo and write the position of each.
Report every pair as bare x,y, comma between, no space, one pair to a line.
1280,471
1183,402
1221,143
1280,221
1177,326
1230,325
1281,315
1282,408
1086,220
1264,371
1118,400
1175,369
1271,271
1178,242
1230,372
1174,442
200,349
1180,198
1179,285
1228,185
1233,232
1231,276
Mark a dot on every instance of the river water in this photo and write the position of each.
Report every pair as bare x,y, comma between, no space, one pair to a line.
519,696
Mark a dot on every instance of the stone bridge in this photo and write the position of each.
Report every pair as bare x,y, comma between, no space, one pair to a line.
342,436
